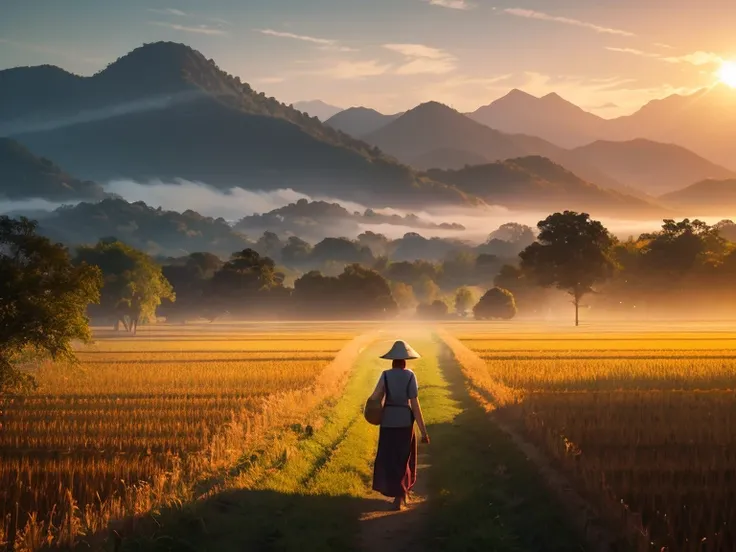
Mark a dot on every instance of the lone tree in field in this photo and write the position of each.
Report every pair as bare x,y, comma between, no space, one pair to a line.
496,304
572,253
463,300
43,300
133,283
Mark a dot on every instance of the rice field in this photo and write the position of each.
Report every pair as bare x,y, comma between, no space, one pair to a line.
643,420
140,419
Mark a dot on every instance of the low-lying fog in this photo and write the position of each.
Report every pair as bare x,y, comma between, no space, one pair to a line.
181,195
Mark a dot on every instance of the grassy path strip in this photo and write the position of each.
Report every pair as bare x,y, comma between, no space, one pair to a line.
514,451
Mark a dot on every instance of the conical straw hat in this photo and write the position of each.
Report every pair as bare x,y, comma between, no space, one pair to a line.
401,351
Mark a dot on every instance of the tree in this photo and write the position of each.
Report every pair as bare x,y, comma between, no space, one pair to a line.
403,294
296,251
463,300
367,291
357,292
434,310
681,246
134,284
190,279
245,281
573,253
269,245
458,269
515,233
43,300
341,250
496,303
426,290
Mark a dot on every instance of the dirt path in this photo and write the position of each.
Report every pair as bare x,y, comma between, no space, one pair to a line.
389,531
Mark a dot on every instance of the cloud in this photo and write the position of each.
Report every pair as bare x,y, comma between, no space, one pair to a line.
181,195
168,11
196,29
663,45
452,4
353,70
531,14
695,58
633,51
421,59
303,38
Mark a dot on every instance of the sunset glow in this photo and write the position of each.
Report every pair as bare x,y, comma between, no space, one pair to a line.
727,73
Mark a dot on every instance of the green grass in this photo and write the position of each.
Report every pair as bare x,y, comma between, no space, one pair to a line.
484,493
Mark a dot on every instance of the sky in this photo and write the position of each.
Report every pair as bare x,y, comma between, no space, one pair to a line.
607,56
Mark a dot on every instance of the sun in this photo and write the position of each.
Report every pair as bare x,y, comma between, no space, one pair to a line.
727,73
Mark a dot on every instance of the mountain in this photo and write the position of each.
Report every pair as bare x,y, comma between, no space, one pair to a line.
315,220
535,182
650,166
550,117
447,158
359,121
705,198
704,122
25,176
163,111
155,231
317,108
436,129
432,126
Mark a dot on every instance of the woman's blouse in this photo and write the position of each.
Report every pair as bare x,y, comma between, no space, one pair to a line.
402,386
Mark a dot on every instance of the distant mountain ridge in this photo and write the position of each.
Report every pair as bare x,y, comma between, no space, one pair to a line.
204,125
703,121
435,127
550,117
156,231
318,219
535,182
359,121
652,166
26,176
433,135
317,108
705,198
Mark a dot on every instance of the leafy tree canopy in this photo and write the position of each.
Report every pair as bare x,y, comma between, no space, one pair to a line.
133,283
43,299
496,303
463,300
572,253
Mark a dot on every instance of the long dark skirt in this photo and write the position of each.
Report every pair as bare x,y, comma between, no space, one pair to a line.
395,470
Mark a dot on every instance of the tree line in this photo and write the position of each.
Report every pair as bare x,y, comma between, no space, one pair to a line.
48,294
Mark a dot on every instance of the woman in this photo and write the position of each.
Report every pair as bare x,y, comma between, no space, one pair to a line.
395,469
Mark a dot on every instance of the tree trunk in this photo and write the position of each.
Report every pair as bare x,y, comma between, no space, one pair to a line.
577,312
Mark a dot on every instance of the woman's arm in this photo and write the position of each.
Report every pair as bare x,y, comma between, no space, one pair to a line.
378,391
417,410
